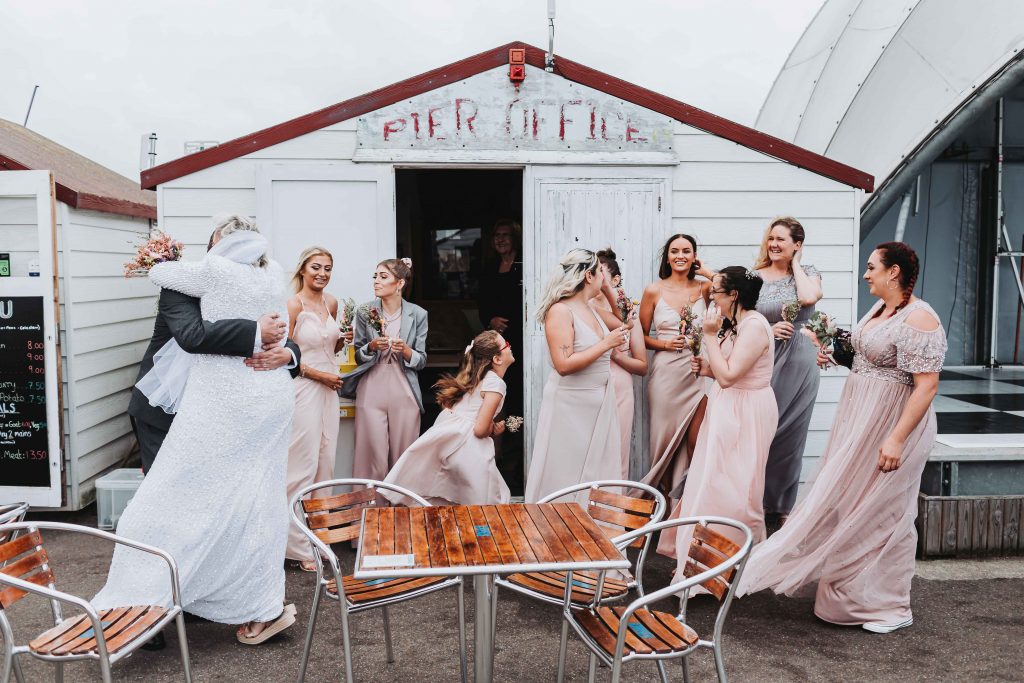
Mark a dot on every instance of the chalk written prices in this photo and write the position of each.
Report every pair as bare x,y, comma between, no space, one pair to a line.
24,451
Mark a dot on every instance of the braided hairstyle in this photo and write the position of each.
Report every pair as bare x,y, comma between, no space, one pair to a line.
747,286
900,254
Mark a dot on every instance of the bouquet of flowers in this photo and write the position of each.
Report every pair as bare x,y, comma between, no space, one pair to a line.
373,318
830,335
348,315
626,306
790,311
157,249
513,423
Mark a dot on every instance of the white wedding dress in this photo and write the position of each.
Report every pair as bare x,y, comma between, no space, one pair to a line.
215,497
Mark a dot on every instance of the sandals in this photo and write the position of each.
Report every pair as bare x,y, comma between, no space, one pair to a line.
286,619
303,565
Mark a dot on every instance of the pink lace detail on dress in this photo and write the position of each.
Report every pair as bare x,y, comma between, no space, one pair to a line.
893,351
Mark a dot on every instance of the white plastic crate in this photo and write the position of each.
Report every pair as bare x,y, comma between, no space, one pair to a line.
113,491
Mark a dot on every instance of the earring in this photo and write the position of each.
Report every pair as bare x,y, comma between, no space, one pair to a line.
891,283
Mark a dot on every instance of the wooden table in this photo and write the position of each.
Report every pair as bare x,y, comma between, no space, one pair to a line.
482,541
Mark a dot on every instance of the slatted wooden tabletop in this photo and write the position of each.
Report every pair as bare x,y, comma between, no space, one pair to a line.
482,539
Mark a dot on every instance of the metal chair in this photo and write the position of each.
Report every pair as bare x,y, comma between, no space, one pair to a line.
107,636
11,512
335,519
616,513
622,634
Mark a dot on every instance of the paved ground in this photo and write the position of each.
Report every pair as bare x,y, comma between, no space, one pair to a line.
965,629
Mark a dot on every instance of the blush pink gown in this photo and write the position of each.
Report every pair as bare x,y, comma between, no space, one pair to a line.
622,380
449,465
673,395
577,437
851,541
315,423
726,476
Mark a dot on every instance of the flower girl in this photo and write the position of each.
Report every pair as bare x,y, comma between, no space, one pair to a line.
453,461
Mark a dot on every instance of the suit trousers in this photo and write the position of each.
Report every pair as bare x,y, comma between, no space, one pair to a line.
151,438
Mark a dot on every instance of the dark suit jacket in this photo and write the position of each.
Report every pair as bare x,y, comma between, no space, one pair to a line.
179,316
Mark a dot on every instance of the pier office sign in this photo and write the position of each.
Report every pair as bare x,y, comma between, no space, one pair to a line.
486,113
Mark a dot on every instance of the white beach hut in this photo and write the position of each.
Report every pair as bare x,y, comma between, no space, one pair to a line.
72,329
424,167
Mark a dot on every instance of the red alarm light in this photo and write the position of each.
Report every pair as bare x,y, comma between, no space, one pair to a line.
517,66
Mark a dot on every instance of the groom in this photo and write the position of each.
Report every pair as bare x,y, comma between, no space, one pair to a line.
180,317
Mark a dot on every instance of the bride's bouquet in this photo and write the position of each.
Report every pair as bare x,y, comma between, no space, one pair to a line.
830,335
157,249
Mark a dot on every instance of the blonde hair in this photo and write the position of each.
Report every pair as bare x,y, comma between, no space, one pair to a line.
796,231
475,363
225,224
304,258
568,278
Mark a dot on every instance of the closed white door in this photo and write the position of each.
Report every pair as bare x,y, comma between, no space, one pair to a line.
593,208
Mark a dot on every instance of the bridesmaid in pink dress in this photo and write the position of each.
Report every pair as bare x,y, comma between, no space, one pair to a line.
676,398
314,327
628,361
851,541
453,462
726,477
577,437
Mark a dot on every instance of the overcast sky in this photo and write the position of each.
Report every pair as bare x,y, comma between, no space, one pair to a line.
110,71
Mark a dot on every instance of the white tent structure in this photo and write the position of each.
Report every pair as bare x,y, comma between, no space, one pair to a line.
927,96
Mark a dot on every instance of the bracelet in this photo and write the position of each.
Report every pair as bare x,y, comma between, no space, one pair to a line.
302,370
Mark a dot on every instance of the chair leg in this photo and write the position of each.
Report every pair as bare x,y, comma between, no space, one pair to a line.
720,664
19,675
387,635
346,641
617,670
5,674
183,646
662,674
686,669
58,672
494,615
308,645
562,646
592,669
463,662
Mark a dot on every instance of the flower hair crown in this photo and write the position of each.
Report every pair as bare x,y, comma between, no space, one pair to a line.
752,274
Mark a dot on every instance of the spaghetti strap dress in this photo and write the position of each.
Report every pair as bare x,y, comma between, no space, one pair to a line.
577,429
315,422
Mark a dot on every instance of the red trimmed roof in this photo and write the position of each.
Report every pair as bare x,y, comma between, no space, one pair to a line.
80,182
578,73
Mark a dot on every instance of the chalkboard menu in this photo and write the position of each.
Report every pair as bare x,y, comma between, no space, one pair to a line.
24,445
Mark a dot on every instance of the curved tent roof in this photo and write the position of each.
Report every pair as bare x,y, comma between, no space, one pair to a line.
871,80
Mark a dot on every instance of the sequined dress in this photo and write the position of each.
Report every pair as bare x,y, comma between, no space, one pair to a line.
215,497
795,383
851,541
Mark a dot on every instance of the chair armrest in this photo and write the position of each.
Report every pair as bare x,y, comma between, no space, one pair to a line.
114,538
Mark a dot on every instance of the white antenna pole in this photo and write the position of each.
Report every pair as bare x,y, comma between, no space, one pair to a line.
549,60
152,150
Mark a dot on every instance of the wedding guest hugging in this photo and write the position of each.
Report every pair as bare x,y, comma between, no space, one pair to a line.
726,476
577,437
676,396
391,349
314,326
852,539
629,360
453,462
790,291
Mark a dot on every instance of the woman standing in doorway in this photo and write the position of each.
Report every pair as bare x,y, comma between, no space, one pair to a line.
675,395
787,300
391,349
852,539
312,315
628,360
577,431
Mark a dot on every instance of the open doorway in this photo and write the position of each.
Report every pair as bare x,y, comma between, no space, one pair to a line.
446,222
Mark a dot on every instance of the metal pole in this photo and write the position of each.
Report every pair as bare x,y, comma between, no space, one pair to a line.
33,99
901,222
992,362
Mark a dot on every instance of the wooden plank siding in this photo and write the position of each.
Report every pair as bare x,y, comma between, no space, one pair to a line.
969,526
107,321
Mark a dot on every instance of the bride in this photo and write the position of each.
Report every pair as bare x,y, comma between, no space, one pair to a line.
215,497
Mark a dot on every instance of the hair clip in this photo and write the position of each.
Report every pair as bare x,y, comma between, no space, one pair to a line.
407,261
468,349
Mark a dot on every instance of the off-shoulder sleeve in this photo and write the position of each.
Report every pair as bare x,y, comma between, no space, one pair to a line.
193,278
811,271
492,382
920,351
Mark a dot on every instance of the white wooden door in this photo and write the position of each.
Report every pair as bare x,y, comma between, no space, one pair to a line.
30,433
345,208
626,209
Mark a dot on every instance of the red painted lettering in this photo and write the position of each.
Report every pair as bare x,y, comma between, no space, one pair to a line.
562,120
470,117
416,124
433,124
394,126
630,129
